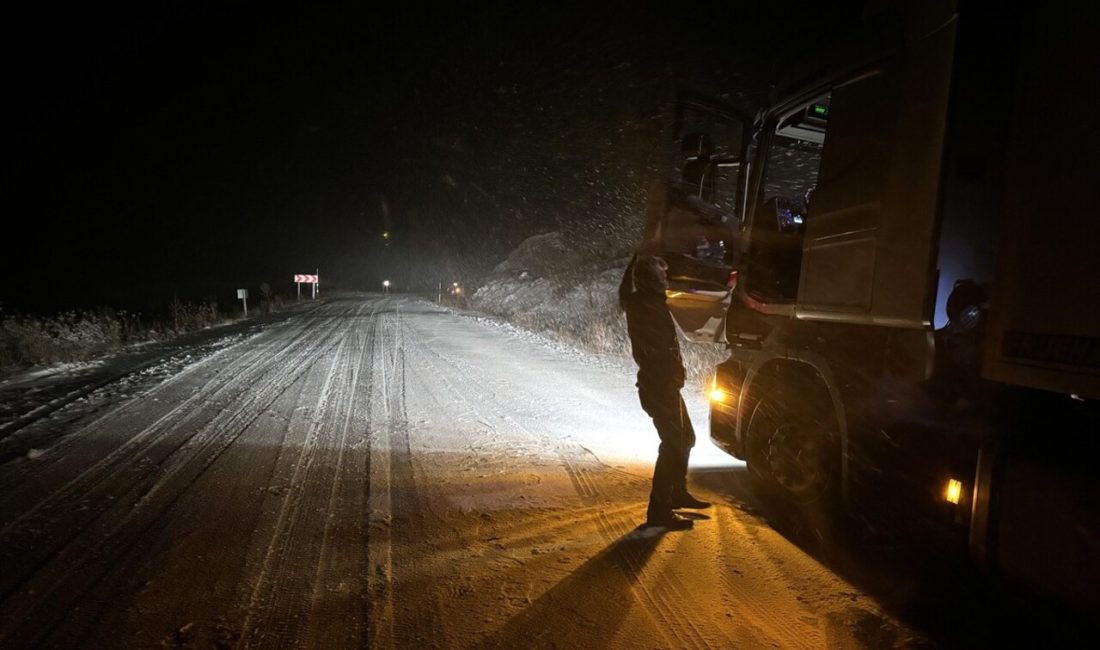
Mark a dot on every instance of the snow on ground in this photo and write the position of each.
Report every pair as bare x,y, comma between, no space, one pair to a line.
618,438
383,472
79,389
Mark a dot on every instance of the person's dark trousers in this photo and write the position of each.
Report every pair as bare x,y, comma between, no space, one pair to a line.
665,405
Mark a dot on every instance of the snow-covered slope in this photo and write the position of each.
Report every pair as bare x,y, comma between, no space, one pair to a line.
546,286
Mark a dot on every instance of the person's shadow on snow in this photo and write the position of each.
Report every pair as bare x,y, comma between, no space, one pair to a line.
588,607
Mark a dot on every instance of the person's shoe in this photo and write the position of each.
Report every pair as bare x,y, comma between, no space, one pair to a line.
685,500
671,521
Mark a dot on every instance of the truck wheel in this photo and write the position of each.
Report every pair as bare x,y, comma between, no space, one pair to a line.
791,447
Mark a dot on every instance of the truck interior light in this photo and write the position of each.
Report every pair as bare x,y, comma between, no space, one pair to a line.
954,491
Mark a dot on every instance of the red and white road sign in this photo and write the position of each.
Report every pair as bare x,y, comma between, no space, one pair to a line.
306,278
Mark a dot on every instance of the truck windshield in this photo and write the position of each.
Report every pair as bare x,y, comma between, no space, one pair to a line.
792,169
791,165
794,156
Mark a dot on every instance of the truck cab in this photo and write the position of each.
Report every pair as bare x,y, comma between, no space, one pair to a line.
913,328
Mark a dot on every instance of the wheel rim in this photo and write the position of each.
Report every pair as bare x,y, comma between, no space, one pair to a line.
790,448
792,455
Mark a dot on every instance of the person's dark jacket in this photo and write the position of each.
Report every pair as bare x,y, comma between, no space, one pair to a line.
653,339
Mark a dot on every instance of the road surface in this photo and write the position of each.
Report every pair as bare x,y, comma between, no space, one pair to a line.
381,472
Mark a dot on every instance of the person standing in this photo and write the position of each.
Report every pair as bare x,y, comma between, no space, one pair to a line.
656,350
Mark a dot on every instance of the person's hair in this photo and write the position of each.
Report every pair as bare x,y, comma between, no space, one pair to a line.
626,287
644,274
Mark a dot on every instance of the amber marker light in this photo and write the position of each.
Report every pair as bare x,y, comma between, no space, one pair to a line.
954,491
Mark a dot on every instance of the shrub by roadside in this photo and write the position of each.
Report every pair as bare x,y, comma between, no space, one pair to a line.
83,335
69,336
191,316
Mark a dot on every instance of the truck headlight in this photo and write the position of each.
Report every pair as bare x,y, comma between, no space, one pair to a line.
717,394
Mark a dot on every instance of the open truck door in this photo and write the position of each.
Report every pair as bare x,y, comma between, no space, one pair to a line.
694,217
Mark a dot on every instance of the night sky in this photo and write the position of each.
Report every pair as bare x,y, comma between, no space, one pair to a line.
187,149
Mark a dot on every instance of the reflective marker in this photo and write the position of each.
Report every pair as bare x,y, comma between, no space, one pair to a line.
954,491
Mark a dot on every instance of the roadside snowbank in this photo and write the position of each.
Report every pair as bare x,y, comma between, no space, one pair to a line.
545,286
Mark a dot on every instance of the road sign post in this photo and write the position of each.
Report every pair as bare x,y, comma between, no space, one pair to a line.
311,279
242,294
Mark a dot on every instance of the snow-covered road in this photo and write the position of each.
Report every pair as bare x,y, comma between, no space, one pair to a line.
381,472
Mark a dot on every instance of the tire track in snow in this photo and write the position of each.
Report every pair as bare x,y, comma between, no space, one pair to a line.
268,615
277,610
119,459
663,592
253,361
401,625
62,516
70,556
666,598
380,619
386,518
765,616
342,572
86,481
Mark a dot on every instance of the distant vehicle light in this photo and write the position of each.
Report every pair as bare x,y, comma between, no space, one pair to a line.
954,491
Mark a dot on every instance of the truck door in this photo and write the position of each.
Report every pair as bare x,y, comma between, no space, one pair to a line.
694,216
868,253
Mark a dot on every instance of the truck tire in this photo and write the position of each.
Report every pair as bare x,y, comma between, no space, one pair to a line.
791,447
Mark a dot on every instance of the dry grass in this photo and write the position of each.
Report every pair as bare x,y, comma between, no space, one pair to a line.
70,336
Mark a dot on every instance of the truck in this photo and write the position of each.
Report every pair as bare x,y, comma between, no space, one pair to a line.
901,255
